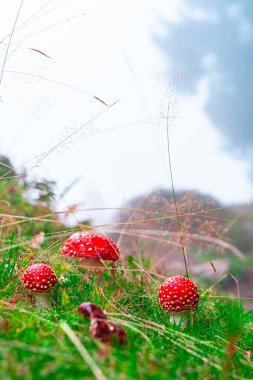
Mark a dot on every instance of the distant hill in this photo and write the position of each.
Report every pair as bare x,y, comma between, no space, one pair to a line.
218,239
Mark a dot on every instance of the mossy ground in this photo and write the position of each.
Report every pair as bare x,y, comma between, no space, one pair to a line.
34,345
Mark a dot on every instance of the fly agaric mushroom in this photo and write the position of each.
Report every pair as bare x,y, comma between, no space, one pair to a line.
90,311
107,332
100,327
39,279
91,250
178,295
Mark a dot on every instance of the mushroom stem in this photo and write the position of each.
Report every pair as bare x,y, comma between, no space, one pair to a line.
94,265
179,319
42,300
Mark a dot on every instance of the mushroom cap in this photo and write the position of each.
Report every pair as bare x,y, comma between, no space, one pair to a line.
90,311
178,294
107,331
39,278
84,245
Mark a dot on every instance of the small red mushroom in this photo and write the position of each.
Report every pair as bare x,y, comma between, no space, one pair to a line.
39,279
107,332
178,295
101,328
90,311
91,250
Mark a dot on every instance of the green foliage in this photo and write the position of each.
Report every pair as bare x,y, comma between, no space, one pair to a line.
215,343
7,268
33,345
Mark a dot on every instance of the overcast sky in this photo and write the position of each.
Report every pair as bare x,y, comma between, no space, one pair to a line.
129,52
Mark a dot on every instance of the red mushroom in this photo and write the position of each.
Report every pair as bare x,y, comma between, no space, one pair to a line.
178,295
107,332
90,311
39,279
101,328
91,250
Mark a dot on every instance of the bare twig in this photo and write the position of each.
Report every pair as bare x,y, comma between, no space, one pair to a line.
8,46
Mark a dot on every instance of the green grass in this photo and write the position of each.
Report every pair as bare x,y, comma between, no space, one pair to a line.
33,344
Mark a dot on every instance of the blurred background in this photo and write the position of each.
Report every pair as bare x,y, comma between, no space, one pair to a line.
89,90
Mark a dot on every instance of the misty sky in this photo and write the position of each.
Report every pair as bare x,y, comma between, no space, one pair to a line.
214,40
129,53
